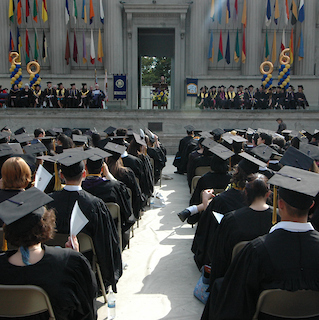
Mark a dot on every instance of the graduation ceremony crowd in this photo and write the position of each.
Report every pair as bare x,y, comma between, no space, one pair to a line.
82,168
260,189
251,98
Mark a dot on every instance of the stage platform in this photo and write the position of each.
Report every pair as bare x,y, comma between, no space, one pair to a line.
168,124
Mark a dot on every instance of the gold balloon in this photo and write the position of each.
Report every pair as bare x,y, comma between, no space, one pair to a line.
262,67
264,83
20,85
285,70
15,56
39,79
283,59
288,66
284,83
33,63
31,76
269,76
281,73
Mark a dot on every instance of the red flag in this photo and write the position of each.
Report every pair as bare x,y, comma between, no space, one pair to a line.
19,13
67,49
91,12
27,47
283,41
27,10
220,50
75,49
243,50
11,46
236,9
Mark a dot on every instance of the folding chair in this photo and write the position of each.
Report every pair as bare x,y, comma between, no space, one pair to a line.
114,209
194,183
199,171
24,300
301,304
237,248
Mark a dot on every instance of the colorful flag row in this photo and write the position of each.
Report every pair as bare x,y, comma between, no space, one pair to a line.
44,11
75,53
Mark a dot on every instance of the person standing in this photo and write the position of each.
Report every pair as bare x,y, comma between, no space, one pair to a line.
281,126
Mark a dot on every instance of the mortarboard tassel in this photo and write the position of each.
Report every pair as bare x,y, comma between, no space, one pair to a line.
57,181
274,213
4,243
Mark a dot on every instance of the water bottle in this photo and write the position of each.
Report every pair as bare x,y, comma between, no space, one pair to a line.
111,305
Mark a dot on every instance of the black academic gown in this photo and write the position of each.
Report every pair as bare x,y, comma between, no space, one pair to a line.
49,97
179,161
159,157
73,98
100,228
226,201
64,274
25,98
147,184
279,260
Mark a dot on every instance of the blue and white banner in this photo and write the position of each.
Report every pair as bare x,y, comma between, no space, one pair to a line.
119,86
192,87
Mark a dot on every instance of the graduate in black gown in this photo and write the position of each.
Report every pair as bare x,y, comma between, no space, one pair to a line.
13,96
25,97
49,96
64,274
287,258
73,97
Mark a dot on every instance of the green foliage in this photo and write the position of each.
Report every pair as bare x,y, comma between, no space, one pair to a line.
152,68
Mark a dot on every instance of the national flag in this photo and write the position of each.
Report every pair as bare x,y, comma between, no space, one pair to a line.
84,49
227,11
91,12
301,52
92,49
75,49
36,46
35,10
105,87
11,10
283,41
11,46
44,11
84,14
266,46
268,14
67,54
211,48
19,44
220,49
100,53
243,49
212,10
236,52
75,11
19,12
101,12
244,16
293,12
27,10
67,12
291,46
301,13
44,47
219,11
277,13
27,47
227,54
274,49
236,9
286,12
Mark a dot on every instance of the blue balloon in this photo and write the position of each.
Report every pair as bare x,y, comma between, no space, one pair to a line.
285,76
16,69
16,82
37,76
283,66
288,72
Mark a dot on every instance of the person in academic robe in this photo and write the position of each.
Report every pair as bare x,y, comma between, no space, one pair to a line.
301,99
37,96
286,258
201,100
281,125
13,96
61,95
49,96
73,97
230,96
100,228
85,96
25,97
221,98
278,97
211,100
64,274
97,98
109,190
250,101
240,98
290,102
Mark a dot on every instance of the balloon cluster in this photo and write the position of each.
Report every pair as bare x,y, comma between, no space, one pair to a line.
267,78
284,70
34,75
16,74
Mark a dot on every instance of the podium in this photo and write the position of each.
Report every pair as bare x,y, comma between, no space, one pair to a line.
159,95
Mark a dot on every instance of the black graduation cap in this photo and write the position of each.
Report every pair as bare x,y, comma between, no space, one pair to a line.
300,86
249,163
110,130
189,128
206,134
221,151
24,137
263,152
251,86
50,133
241,131
212,87
35,148
19,131
295,158
218,131
129,131
79,138
67,132
310,150
27,202
139,139
115,148
95,154
4,134
59,84
84,84
70,157
209,143
57,130
72,84
240,86
297,187
49,82
5,150
5,128
231,86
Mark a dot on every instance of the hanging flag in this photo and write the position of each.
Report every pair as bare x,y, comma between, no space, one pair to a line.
283,41
75,11
75,49
92,49
301,14
36,46
105,87
27,47
19,44
286,12
67,54
11,10
220,49
211,48
19,12
277,13
301,52
84,49
291,46
266,46
293,12
11,46
243,49
236,9
219,11
274,49
101,12
244,16
27,10
91,12
236,52
44,11
268,14
227,11
227,54
84,14
67,12
35,10
100,53
44,47
212,10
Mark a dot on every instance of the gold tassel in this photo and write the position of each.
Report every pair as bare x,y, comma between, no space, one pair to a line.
274,213
57,181
229,169
4,243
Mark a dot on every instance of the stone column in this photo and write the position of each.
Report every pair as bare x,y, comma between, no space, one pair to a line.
5,36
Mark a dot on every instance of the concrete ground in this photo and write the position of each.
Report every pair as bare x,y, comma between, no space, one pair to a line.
161,274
